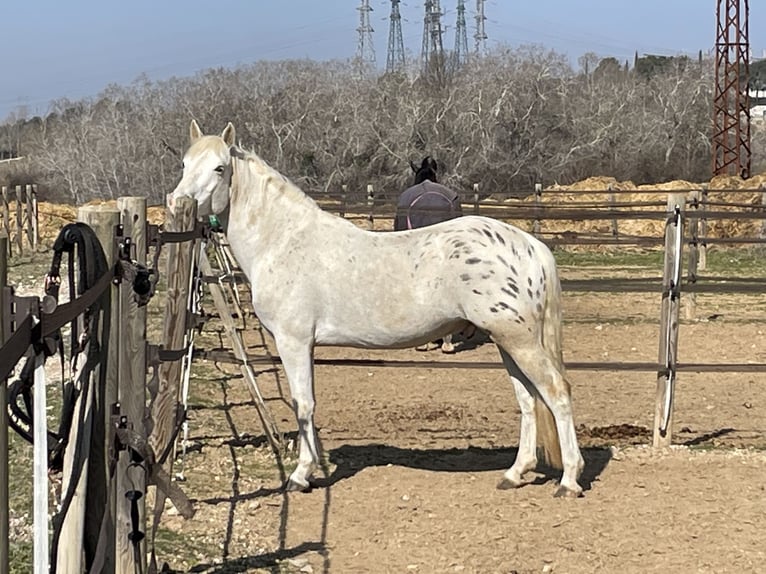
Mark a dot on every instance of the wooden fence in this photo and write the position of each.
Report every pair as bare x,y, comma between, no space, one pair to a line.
18,217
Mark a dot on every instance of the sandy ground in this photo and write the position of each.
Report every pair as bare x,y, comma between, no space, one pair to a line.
414,454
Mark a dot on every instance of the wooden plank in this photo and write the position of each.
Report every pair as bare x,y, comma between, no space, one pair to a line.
669,320
19,218
35,218
7,220
41,556
131,392
702,256
4,475
690,305
371,206
536,224
178,274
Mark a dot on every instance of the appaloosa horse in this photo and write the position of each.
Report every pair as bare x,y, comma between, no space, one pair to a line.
317,279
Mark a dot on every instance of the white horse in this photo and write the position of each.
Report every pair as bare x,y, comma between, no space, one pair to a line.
318,279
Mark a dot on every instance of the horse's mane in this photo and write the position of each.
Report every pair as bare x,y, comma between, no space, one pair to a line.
426,171
260,173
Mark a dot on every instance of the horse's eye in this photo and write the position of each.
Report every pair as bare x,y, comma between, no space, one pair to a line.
219,170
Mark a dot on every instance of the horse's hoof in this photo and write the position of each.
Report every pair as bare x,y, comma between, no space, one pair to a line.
564,492
295,486
506,484
448,350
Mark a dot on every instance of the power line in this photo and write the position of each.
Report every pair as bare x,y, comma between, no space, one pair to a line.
461,36
731,105
395,59
480,35
432,51
365,51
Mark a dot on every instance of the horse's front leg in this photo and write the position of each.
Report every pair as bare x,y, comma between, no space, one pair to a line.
297,359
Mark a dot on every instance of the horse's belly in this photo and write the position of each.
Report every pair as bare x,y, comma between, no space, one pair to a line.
375,336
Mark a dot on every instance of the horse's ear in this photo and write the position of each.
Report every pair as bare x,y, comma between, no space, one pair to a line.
432,163
426,162
194,132
414,167
228,134
236,152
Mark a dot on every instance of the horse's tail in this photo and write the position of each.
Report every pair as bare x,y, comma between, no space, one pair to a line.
547,432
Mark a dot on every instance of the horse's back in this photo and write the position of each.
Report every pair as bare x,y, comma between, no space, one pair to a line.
425,204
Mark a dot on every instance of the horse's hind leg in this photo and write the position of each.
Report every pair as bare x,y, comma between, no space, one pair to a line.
545,376
297,360
526,458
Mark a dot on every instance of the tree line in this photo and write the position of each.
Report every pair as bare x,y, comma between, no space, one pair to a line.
508,120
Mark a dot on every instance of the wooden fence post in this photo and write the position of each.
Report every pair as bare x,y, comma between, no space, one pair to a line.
538,207
690,305
669,319
78,530
19,218
612,199
343,191
371,204
30,201
131,393
4,475
7,220
762,234
702,263
178,276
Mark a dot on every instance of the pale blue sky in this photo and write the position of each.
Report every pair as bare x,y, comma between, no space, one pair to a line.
75,48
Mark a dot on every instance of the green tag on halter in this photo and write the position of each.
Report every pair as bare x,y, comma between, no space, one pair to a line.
215,225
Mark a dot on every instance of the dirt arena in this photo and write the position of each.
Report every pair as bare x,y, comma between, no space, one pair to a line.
414,454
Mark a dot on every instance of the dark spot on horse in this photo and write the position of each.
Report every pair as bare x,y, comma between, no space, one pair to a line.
454,255
465,277
513,270
493,309
473,260
537,293
529,292
477,291
503,305
499,237
488,233
508,292
458,243
521,318
484,276
512,286
529,281
539,308
529,250
503,261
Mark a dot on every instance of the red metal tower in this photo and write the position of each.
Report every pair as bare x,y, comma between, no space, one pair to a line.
731,102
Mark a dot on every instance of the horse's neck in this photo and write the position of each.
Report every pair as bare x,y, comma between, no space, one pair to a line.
264,206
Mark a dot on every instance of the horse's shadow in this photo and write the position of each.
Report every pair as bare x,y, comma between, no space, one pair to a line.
350,459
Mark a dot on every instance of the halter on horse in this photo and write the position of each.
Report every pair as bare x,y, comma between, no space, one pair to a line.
318,279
